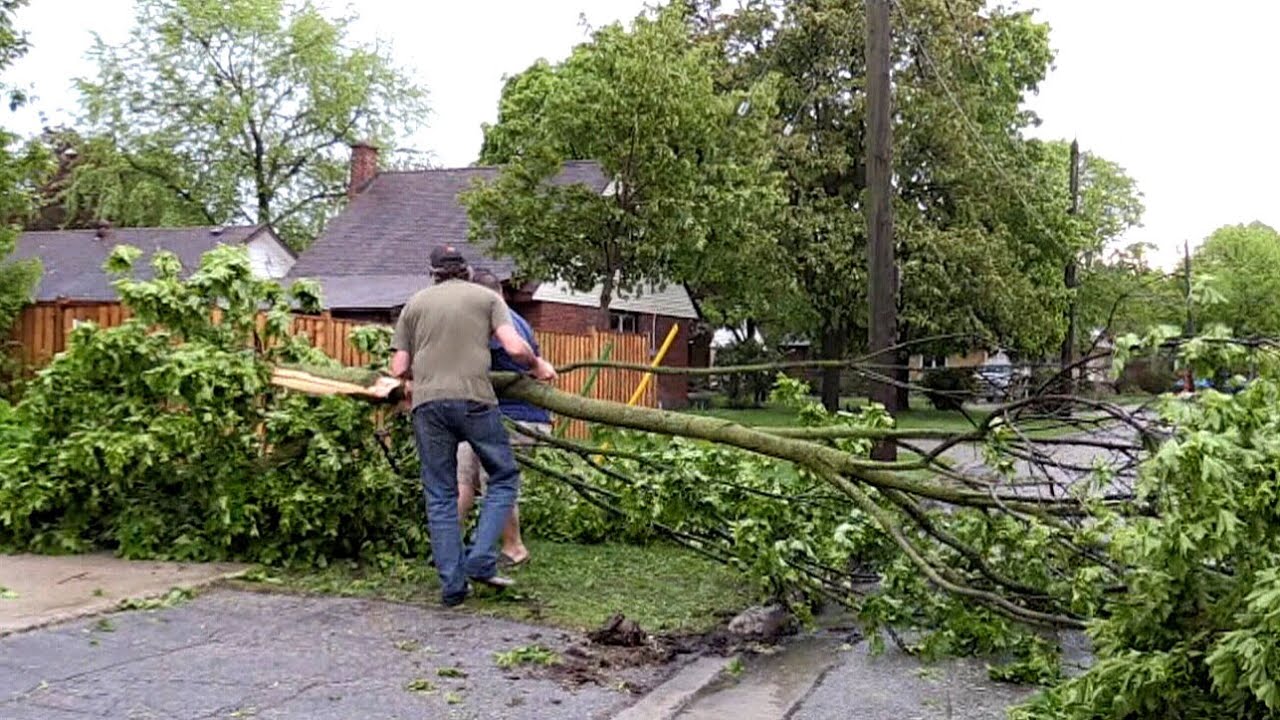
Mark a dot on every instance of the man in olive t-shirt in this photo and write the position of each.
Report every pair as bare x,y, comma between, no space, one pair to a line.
443,335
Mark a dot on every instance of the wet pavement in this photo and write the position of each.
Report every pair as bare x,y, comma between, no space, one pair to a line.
820,677
896,686
234,654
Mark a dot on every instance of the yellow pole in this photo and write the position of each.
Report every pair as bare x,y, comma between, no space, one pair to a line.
644,384
657,360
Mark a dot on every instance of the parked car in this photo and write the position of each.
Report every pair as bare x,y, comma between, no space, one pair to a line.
995,382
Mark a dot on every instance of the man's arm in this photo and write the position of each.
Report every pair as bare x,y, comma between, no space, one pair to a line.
515,345
400,363
520,351
401,342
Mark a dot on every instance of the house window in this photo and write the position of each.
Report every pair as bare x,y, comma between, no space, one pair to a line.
624,322
934,362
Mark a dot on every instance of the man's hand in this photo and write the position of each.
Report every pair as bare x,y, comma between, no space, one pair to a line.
543,370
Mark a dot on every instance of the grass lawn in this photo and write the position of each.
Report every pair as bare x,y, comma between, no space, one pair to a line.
663,587
919,416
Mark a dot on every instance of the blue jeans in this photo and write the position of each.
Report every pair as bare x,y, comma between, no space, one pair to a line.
439,426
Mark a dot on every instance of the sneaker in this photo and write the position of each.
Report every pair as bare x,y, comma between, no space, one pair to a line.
456,600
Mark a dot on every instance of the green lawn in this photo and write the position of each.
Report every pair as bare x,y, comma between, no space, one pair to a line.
663,587
919,416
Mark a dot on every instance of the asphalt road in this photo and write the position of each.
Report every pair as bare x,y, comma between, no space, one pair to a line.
233,654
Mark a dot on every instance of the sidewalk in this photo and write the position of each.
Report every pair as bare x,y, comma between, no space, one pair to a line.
39,590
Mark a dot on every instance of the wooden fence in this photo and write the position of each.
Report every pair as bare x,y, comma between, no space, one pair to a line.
42,331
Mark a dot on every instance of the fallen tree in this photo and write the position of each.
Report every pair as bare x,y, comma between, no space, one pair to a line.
166,437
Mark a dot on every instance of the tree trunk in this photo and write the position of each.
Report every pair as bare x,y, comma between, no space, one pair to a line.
606,298
833,344
902,375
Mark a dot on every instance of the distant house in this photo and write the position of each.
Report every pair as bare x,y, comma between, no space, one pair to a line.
73,259
976,359
74,288
373,256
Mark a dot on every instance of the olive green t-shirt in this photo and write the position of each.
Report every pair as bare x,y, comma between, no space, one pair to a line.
446,330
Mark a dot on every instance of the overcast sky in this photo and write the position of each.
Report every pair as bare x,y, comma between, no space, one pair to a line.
1180,93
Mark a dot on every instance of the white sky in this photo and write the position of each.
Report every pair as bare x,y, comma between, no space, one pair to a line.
1180,93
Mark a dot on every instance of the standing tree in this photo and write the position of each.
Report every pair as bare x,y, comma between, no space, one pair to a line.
243,109
982,230
692,193
1242,264
1121,294
17,278
817,49
89,178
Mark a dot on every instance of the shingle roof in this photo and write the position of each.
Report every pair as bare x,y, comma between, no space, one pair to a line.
669,300
73,259
371,250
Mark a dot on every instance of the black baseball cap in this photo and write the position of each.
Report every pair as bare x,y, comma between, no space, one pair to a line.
447,257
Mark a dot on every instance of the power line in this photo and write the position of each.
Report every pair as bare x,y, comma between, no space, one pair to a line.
968,122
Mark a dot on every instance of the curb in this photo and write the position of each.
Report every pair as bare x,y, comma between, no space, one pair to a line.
668,699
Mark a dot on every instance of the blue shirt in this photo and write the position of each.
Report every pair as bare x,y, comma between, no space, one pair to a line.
502,362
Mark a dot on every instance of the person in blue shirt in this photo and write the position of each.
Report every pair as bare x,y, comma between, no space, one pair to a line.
471,476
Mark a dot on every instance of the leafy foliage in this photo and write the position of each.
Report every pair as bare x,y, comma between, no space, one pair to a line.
162,438
242,110
1241,264
1194,634
1120,293
17,278
981,219
749,389
89,178
526,655
950,388
691,192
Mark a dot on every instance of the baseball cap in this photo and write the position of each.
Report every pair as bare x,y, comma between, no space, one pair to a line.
447,256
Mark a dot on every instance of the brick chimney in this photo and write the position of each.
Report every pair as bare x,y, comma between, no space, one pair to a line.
364,167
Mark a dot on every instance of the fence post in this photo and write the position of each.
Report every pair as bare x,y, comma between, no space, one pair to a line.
60,326
324,334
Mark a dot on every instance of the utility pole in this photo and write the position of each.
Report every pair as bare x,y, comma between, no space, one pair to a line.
1189,330
1071,342
883,320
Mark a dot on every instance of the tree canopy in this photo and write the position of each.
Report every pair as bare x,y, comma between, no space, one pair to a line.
89,179
17,279
241,111
1241,263
692,192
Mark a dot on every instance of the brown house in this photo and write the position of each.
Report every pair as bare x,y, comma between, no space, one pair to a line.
372,257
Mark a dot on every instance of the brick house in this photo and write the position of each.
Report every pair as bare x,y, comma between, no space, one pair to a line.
372,257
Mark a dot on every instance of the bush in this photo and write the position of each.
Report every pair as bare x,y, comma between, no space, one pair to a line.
749,389
950,388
